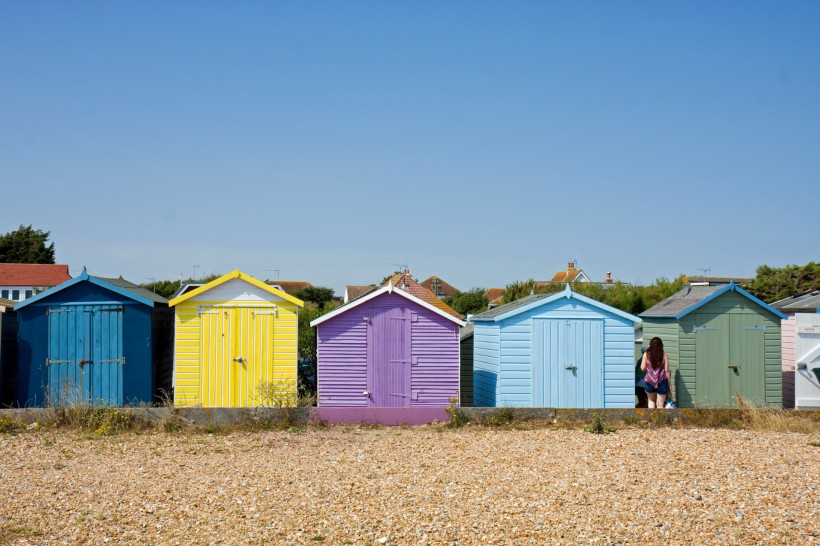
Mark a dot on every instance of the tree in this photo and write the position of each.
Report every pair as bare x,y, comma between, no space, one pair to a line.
320,295
468,303
26,245
773,283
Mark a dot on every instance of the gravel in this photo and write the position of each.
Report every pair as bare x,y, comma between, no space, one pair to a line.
422,485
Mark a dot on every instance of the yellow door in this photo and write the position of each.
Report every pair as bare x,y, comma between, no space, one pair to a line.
236,355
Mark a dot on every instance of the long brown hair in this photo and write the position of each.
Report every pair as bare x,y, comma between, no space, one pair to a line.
656,353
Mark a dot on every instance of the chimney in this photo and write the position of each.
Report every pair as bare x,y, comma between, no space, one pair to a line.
570,265
608,278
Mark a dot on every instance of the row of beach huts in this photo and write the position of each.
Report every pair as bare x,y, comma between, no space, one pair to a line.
232,342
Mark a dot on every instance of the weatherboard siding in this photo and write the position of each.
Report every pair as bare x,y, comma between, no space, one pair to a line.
788,331
342,369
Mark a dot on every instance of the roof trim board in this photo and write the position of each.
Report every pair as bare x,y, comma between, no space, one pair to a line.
84,276
389,289
566,293
236,274
731,287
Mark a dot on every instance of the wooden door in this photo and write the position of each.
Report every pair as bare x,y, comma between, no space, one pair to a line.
388,357
568,363
712,359
746,368
85,355
236,355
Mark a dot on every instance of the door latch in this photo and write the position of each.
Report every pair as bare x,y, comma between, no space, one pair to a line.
239,359
733,366
571,367
84,362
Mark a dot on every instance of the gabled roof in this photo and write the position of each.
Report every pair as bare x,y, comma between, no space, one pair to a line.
353,292
118,286
407,283
802,303
438,287
467,331
526,303
33,274
235,274
290,286
689,298
570,275
389,289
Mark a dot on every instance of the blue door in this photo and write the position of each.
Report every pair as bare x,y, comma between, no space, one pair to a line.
568,363
85,356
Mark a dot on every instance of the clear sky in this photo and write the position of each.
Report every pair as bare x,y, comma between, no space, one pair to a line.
483,142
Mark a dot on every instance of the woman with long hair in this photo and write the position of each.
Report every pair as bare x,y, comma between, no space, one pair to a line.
656,365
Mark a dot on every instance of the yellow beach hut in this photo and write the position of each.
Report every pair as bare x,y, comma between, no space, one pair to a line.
235,339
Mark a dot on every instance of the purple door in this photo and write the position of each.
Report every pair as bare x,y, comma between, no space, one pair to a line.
388,357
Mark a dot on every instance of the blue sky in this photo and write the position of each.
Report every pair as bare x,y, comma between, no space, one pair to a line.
484,142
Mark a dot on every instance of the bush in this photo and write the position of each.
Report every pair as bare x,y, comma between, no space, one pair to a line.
7,424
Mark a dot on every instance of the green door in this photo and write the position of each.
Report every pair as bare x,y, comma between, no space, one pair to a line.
712,359
729,358
746,355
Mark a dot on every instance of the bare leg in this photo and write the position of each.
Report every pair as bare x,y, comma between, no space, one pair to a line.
651,397
661,400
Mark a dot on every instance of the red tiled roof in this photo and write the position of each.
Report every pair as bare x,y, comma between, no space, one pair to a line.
494,295
566,276
33,274
405,282
444,290
291,286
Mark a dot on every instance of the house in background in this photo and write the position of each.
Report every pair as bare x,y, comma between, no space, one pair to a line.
235,343
807,303
562,350
21,281
721,341
93,340
289,287
570,275
439,288
353,291
406,282
495,297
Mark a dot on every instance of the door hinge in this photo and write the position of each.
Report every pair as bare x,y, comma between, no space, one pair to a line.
756,328
56,361
703,328
120,360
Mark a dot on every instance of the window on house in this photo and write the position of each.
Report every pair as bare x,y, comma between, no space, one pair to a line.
29,293
15,295
4,294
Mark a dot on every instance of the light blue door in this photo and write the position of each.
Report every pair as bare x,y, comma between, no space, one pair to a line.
85,356
568,363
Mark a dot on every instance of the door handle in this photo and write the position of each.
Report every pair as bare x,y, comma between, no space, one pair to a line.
366,393
733,366
84,362
571,367
239,359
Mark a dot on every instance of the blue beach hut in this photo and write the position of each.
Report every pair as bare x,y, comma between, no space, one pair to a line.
562,350
94,341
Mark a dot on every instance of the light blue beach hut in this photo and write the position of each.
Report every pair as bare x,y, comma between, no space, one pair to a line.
562,350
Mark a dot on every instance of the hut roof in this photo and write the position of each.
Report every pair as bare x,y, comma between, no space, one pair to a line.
389,289
118,286
801,303
235,274
535,300
689,298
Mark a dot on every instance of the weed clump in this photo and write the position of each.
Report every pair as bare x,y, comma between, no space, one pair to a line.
457,419
598,425
501,418
7,424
